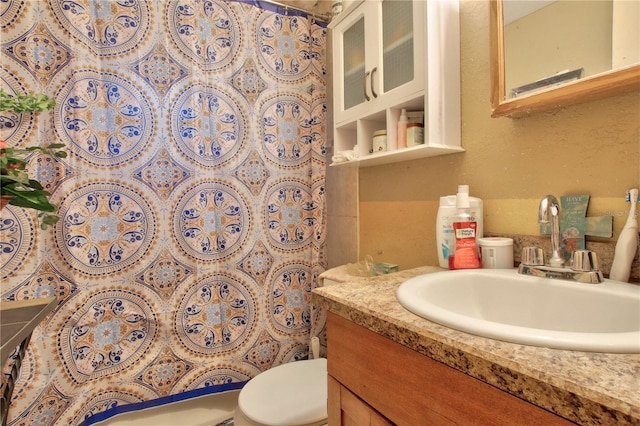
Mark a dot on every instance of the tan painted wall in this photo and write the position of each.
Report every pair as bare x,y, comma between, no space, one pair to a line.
569,35
626,34
592,148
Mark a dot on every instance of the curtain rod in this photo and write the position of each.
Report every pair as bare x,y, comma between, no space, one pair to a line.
324,18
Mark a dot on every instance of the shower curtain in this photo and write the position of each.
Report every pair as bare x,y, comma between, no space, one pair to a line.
191,203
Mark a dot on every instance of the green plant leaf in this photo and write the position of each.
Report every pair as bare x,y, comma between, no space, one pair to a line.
37,200
47,220
25,103
25,192
13,180
35,184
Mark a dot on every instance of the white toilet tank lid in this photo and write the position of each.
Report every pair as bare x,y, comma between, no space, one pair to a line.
287,395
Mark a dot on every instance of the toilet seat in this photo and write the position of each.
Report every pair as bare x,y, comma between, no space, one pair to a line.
292,394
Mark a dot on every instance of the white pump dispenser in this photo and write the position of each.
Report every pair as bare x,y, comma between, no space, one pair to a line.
627,243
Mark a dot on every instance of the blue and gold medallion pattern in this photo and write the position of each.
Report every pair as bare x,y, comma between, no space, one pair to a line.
191,202
208,126
215,315
106,228
205,32
106,27
211,221
112,330
105,119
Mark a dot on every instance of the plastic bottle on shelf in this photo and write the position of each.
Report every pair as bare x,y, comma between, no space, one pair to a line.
402,129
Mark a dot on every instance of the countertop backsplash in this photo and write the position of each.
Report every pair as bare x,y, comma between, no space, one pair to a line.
604,250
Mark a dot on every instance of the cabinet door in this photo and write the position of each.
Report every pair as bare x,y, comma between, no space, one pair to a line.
409,388
346,409
402,42
379,57
355,56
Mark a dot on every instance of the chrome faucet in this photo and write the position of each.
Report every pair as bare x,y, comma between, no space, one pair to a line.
583,267
549,210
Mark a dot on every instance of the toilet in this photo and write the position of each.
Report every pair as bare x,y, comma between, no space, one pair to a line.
293,394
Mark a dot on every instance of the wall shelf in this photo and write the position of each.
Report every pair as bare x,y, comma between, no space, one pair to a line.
405,154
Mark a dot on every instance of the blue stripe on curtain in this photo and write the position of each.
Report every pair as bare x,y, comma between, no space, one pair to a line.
161,401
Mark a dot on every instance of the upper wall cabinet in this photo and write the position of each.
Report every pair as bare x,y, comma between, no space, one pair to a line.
380,59
390,55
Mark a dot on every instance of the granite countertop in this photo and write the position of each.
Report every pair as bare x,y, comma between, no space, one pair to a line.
587,388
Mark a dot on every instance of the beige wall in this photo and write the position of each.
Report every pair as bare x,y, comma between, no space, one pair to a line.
591,149
569,35
626,34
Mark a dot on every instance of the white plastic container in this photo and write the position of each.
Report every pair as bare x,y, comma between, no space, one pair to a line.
444,231
379,141
415,134
496,252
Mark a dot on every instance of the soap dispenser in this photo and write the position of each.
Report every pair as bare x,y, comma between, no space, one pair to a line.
447,212
465,233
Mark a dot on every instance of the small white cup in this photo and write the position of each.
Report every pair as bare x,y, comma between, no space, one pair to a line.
496,252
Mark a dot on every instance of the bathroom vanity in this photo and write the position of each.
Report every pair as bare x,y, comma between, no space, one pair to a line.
387,365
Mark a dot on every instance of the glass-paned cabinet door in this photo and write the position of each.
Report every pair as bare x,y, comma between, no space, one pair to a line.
353,59
397,43
379,57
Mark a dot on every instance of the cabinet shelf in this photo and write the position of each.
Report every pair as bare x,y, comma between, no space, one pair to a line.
404,154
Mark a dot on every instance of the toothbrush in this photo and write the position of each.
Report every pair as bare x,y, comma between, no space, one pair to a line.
627,243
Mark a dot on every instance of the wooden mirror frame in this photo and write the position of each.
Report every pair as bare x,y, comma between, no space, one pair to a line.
598,86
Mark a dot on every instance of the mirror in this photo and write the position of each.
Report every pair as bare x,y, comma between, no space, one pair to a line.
529,77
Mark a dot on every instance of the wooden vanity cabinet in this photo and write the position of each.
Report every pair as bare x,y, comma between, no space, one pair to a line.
376,381
351,410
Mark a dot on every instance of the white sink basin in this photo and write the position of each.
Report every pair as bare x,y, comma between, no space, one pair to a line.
504,305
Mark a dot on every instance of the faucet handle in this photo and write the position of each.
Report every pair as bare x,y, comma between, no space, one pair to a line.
533,256
584,261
